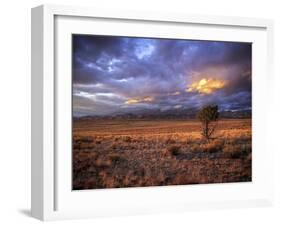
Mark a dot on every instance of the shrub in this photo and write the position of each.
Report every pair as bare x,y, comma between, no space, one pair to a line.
174,150
101,162
236,154
98,141
86,139
127,139
170,141
114,157
234,151
84,142
113,146
208,116
214,146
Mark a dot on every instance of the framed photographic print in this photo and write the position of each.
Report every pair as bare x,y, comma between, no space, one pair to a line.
138,113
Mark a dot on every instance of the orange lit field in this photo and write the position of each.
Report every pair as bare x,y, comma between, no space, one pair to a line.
133,153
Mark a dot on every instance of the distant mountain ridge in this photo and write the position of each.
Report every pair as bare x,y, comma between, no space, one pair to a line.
167,114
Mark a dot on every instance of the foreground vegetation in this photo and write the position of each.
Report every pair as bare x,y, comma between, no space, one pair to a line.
132,153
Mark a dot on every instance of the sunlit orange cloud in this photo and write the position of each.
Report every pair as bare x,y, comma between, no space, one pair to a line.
139,100
175,93
206,85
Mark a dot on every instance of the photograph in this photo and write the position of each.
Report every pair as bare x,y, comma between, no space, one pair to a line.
160,111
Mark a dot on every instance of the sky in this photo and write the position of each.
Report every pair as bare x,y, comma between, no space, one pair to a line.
126,74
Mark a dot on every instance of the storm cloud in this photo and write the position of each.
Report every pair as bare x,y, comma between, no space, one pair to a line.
117,74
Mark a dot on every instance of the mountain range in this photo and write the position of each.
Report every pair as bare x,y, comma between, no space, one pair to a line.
167,114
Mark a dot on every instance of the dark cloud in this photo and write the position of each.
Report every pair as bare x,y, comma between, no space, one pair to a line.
108,71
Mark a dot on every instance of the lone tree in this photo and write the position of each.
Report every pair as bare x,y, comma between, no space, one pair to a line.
208,116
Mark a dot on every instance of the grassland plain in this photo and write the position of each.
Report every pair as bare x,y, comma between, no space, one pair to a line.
133,153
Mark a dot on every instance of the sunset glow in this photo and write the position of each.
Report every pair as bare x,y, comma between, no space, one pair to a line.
139,100
206,85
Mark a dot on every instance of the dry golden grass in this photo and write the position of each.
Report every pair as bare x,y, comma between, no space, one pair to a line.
130,153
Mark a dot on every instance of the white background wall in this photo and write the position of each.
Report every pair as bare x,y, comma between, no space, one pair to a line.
15,111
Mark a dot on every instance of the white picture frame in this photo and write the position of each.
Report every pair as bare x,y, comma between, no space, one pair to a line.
52,197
